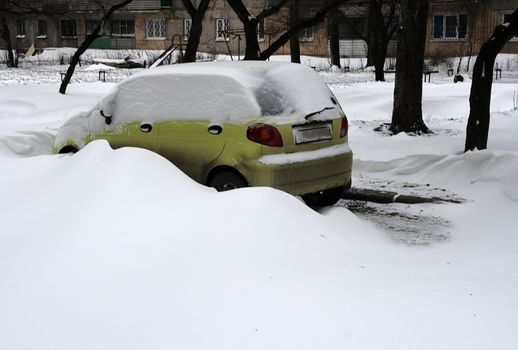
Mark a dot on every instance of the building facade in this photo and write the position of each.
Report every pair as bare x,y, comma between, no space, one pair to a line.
459,28
454,27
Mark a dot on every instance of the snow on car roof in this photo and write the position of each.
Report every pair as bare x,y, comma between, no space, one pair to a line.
218,91
244,72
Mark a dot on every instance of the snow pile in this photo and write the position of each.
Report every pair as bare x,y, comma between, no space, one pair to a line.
139,255
99,66
118,249
63,54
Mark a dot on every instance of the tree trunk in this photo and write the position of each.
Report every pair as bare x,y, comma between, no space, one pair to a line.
477,130
193,41
379,68
6,36
75,60
250,23
252,51
294,38
380,29
377,40
408,90
334,40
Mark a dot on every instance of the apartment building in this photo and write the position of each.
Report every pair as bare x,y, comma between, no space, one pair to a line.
454,27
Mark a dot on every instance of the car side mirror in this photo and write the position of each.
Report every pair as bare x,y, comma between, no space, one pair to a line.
107,118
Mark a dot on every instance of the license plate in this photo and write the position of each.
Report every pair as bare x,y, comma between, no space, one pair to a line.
312,133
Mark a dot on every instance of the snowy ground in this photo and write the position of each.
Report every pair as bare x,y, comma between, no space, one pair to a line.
118,249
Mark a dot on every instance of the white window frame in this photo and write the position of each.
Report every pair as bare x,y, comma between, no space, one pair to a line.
156,29
120,24
444,37
514,38
187,25
223,23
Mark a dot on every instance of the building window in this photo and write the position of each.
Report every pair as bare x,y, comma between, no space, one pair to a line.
187,24
68,28
20,28
507,19
123,27
155,29
91,24
260,30
450,27
42,29
222,29
306,34
165,3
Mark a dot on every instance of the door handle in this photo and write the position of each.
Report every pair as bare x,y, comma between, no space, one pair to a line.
215,129
146,127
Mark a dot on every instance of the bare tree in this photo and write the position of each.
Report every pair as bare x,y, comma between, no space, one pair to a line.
96,33
5,34
318,17
250,27
407,115
381,27
334,38
480,97
250,24
197,14
294,18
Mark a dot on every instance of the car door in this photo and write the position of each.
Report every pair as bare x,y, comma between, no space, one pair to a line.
140,134
191,145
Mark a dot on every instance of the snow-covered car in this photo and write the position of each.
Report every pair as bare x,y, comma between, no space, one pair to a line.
229,125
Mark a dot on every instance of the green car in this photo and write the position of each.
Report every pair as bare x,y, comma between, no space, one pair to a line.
229,125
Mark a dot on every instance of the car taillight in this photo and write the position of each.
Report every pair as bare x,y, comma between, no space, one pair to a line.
265,135
345,127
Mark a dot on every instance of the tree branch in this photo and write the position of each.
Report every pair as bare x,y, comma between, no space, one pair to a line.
319,17
86,44
191,10
272,9
22,8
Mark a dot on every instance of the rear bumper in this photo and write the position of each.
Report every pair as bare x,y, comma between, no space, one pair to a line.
302,172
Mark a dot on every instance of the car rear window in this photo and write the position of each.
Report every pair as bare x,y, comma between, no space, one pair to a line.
272,99
294,91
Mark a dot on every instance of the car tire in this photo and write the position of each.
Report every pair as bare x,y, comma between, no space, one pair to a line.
227,180
68,149
323,198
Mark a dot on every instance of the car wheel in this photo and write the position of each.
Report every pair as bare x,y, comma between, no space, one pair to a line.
323,198
227,180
